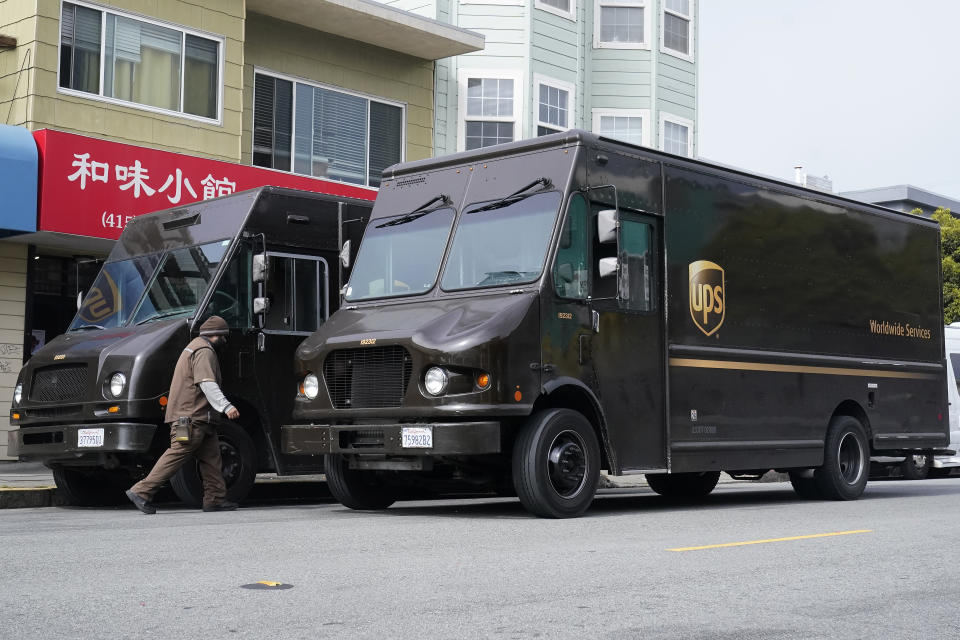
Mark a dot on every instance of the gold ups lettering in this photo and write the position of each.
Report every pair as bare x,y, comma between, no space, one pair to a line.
707,306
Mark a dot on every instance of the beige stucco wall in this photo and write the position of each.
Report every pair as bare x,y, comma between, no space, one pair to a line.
13,291
39,104
289,49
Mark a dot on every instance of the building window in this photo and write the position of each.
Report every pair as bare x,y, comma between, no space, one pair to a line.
564,8
676,135
678,28
627,125
622,24
490,108
143,63
323,132
554,105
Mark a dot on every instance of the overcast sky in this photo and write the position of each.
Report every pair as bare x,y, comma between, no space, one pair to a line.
865,91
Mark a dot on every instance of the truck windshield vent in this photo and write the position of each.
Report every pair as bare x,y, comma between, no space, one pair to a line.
59,384
371,378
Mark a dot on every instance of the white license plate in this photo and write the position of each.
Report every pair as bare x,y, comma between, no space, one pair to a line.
89,437
416,437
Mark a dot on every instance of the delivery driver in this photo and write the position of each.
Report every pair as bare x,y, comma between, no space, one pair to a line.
194,394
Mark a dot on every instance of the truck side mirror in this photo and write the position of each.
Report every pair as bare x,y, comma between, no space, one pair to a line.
345,254
261,267
608,266
607,225
261,306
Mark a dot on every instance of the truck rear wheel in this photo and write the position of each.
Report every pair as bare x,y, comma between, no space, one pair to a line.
805,486
90,486
846,460
683,486
355,489
556,464
238,462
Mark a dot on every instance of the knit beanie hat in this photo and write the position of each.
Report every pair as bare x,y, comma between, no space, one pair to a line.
214,326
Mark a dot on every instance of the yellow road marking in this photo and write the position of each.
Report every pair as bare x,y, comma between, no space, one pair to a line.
741,544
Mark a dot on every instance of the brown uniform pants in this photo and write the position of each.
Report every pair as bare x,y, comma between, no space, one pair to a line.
203,444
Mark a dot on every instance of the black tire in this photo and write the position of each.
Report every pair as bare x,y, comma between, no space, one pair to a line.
915,467
684,486
238,459
355,489
556,464
90,486
805,486
846,460
938,472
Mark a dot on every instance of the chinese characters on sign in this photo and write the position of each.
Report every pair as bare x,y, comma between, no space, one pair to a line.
94,187
137,177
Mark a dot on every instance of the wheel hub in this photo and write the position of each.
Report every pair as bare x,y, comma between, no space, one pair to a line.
230,462
567,464
850,457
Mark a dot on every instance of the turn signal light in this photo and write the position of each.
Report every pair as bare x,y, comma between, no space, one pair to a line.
483,381
15,416
163,401
115,408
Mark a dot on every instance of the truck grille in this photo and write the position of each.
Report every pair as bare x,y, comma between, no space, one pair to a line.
59,384
367,378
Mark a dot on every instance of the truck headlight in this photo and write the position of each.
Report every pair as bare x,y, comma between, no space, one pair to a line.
18,393
435,381
310,386
118,382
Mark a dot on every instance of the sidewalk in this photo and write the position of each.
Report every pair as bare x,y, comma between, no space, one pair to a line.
30,484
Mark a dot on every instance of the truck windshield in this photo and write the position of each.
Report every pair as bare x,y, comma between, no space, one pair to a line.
182,279
114,293
400,255
501,243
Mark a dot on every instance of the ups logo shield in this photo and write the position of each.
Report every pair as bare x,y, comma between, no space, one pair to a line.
707,296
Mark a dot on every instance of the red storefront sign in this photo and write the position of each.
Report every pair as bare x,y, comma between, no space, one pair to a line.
92,187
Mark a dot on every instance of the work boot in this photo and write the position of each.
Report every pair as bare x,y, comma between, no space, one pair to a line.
223,505
145,507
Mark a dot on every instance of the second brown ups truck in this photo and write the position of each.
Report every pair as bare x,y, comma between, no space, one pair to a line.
90,404
523,316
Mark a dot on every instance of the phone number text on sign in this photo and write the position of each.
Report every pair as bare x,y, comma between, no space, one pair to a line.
114,220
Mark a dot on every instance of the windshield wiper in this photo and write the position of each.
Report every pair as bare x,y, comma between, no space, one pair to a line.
516,195
418,212
166,314
87,327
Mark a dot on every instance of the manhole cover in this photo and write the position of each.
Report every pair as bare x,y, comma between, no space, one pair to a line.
267,584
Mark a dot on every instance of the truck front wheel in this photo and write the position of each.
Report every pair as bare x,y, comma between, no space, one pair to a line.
90,486
360,490
556,464
238,461
683,486
846,460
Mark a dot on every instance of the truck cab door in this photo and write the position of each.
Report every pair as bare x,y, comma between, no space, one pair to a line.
627,345
297,288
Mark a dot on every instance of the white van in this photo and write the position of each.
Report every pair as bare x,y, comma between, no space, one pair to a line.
941,465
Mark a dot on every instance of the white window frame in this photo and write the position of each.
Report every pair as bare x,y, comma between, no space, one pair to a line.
293,127
684,122
538,80
99,97
517,3
569,15
599,44
643,114
518,101
689,57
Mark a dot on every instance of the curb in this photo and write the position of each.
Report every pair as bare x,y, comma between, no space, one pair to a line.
29,497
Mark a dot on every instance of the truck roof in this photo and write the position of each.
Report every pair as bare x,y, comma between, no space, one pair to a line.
581,137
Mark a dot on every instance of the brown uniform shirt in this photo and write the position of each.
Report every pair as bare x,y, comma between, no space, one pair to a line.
198,363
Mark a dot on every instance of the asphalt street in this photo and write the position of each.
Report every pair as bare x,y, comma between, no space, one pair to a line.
486,569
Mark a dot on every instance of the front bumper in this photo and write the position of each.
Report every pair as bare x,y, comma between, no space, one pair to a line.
60,441
449,439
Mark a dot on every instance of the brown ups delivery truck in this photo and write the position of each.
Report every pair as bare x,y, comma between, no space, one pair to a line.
522,316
